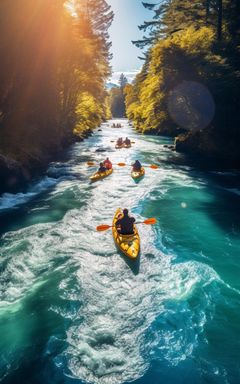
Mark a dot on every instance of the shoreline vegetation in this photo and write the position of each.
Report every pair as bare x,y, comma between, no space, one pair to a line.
54,64
188,87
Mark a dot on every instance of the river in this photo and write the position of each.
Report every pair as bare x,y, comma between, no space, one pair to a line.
73,310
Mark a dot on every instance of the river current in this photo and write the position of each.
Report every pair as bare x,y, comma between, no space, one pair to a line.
73,310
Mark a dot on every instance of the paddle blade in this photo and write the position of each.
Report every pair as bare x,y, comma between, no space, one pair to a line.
153,166
150,221
91,163
103,227
121,164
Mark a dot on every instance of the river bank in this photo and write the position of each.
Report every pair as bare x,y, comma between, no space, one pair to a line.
17,172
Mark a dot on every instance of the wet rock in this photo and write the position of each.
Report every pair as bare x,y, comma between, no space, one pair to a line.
13,175
172,147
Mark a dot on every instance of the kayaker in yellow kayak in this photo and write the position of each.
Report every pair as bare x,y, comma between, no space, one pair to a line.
125,225
127,141
120,141
107,163
137,166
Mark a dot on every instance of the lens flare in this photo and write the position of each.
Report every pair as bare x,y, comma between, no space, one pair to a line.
191,105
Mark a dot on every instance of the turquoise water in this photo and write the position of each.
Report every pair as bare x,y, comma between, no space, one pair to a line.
73,310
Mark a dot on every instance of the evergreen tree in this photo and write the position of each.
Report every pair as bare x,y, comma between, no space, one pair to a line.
100,15
122,81
171,16
117,98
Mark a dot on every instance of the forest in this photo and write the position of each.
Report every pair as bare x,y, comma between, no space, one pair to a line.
54,65
189,83
117,98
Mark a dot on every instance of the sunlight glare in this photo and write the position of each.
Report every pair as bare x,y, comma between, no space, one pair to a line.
70,6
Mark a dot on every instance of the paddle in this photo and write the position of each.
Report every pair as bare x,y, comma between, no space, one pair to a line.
113,141
105,227
92,164
153,166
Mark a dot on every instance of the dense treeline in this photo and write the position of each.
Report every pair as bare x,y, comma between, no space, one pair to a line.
117,98
53,67
190,78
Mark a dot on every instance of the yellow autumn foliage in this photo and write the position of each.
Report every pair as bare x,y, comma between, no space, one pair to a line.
171,60
89,113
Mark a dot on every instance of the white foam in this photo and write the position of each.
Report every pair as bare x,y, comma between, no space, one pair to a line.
10,200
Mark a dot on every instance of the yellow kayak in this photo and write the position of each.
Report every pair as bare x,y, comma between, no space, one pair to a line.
101,175
128,244
119,146
127,145
138,174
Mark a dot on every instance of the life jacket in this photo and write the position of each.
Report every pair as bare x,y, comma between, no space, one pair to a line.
108,164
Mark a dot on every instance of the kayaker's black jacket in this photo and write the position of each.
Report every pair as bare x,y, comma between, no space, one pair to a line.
102,169
126,225
137,166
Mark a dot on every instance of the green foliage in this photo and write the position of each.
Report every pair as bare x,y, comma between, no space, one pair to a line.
117,104
171,16
117,98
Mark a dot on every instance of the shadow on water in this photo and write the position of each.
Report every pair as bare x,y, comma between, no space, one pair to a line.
137,181
134,265
224,211
222,184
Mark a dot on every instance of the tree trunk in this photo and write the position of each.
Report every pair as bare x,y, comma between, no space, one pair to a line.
207,8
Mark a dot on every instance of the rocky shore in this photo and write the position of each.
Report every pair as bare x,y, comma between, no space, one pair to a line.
15,174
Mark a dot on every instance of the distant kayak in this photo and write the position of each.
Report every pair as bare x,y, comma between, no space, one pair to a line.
123,146
138,174
101,175
129,245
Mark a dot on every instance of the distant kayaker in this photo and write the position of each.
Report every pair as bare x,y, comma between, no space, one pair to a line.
120,141
137,166
102,168
107,163
127,141
125,224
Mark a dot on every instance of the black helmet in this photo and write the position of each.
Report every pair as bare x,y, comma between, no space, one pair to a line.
125,211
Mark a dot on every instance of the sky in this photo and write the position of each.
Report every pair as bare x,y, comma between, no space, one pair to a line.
128,15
